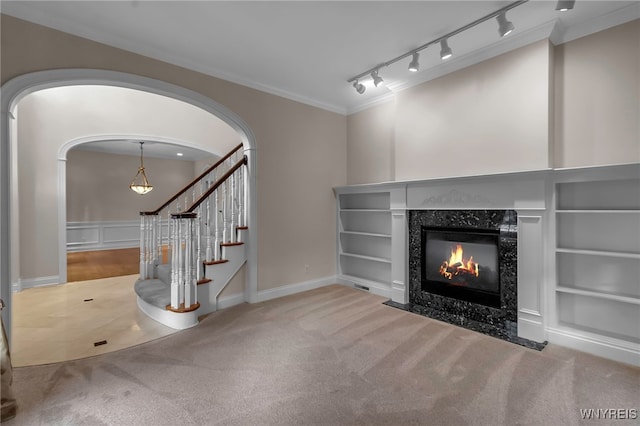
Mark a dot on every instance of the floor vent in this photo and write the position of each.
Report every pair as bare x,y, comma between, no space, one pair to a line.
361,287
100,343
88,300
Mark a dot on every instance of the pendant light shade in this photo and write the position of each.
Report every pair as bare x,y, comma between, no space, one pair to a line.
140,184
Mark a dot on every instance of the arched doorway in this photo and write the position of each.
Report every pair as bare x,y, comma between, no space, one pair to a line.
20,86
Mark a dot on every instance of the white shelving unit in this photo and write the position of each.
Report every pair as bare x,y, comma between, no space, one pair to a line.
597,258
365,240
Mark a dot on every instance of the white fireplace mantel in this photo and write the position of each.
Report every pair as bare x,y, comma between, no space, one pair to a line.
373,245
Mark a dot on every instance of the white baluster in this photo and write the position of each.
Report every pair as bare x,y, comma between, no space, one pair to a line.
216,210
241,196
225,216
232,208
198,261
209,249
181,248
188,261
142,240
175,303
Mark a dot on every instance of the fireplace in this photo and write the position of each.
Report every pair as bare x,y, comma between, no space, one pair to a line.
461,263
463,268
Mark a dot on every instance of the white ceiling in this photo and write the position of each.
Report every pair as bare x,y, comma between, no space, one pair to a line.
151,149
307,50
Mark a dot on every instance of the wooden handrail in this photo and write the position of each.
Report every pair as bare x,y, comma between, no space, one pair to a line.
215,186
193,182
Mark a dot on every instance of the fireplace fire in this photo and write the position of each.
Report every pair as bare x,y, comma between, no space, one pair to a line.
462,264
457,268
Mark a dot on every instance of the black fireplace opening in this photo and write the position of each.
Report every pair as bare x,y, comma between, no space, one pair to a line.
461,263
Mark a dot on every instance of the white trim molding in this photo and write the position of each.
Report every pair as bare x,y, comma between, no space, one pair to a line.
287,290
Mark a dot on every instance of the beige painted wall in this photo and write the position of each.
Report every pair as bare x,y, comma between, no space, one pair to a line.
598,98
370,145
301,149
98,185
488,118
540,106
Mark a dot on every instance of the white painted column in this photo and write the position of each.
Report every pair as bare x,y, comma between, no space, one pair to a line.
399,246
531,275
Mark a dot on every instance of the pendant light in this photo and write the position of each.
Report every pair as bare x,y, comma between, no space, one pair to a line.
140,184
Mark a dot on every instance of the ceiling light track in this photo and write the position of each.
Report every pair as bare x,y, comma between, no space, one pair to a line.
505,27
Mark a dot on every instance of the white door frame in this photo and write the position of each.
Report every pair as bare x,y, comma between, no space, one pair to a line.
15,89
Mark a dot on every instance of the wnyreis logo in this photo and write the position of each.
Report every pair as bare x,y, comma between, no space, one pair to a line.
609,413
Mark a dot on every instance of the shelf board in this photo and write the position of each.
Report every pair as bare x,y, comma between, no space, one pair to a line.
599,211
361,256
366,234
599,253
366,210
599,295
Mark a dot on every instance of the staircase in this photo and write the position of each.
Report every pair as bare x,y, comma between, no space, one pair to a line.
193,245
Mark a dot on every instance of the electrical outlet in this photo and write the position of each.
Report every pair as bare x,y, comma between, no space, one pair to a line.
307,268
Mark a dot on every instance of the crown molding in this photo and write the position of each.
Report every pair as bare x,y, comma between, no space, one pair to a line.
617,17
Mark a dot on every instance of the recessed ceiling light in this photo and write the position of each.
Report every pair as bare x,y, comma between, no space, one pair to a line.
179,154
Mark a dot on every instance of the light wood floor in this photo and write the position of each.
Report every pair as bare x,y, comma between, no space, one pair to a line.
64,322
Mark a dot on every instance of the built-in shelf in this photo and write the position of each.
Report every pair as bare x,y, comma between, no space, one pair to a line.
366,210
598,256
366,234
599,295
599,253
625,211
371,258
364,238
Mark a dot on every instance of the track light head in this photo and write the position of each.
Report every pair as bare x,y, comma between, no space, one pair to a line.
377,80
359,87
414,66
564,5
504,27
445,50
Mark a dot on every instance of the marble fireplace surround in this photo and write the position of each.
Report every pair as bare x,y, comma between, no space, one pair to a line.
522,192
500,321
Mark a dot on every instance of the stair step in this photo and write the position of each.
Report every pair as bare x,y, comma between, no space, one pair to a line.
239,243
164,273
204,280
155,292
242,228
215,262
182,309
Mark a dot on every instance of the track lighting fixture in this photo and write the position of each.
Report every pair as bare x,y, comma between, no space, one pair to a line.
414,66
564,5
445,50
504,27
377,80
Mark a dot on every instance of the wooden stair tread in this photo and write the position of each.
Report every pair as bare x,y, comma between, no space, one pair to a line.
242,228
239,243
204,281
215,262
182,309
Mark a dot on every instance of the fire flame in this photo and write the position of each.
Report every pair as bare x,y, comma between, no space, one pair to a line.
457,265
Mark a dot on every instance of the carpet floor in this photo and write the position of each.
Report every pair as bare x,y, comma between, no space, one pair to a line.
330,356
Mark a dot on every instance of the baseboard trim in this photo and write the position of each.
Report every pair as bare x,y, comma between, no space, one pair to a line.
35,282
231,300
628,353
366,285
290,289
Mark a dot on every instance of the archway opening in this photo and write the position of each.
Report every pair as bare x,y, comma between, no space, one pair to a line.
17,89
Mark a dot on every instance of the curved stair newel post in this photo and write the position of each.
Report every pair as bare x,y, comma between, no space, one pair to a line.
184,241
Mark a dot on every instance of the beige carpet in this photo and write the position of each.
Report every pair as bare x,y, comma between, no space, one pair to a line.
331,356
